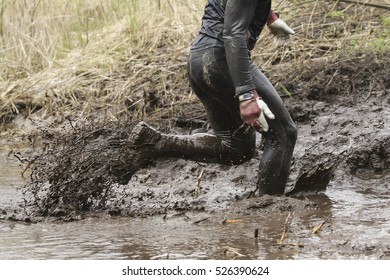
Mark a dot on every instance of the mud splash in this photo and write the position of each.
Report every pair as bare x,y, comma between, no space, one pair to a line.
91,167
343,152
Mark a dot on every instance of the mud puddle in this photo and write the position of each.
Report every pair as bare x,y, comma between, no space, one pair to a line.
350,220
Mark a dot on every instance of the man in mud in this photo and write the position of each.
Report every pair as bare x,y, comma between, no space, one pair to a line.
238,98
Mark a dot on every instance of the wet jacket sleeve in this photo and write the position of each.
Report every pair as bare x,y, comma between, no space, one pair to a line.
261,16
238,18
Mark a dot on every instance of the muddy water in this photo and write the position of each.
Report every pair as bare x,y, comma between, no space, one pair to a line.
356,225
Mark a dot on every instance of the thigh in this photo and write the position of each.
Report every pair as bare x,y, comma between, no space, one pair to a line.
211,82
220,117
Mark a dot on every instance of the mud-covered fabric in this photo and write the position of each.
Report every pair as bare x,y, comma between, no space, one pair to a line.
234,25
219,67
210,80
211,31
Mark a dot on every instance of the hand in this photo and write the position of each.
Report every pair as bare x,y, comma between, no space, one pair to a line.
250,111
265,112
254,112
279,29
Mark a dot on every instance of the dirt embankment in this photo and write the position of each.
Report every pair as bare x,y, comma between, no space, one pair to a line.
344,134
338,99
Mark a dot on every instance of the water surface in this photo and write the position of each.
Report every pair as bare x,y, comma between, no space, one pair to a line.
358,228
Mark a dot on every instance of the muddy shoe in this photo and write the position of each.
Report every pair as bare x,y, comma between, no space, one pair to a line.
143,135
137,152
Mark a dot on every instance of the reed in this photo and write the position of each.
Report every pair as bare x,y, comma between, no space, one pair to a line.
37,33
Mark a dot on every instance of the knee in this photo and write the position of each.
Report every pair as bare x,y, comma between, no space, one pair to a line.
291,132
283,136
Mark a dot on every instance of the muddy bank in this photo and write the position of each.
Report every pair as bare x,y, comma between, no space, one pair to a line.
343,136
341,162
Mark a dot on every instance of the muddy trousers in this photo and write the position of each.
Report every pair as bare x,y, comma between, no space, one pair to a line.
233,141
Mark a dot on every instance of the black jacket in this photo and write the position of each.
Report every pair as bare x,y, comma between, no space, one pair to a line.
234,25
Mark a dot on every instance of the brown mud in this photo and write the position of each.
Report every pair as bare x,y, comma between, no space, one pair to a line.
343,127
343,140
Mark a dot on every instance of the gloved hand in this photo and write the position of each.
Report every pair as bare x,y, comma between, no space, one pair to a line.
265,112
254,111
279,29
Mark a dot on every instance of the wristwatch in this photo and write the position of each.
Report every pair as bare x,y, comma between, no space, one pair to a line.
245,96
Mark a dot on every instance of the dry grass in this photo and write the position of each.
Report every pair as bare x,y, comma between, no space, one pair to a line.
126,59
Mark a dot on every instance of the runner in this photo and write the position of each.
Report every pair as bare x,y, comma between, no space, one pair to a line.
238,98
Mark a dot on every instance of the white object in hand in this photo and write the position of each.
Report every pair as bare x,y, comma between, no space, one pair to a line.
265,112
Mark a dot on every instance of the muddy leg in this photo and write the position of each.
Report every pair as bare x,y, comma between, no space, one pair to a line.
274,166
203,147
199,147
275,163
